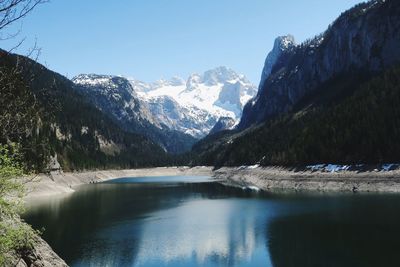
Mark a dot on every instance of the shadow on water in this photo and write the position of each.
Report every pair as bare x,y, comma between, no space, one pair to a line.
353,231
178,221
116,215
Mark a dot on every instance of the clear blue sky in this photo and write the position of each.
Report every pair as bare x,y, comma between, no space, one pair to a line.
153,39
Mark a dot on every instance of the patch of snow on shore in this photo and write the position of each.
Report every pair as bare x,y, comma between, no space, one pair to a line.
389,167
253,166
333,168
336,168
244,167
252,188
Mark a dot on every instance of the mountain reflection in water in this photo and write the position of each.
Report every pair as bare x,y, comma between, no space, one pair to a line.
192,221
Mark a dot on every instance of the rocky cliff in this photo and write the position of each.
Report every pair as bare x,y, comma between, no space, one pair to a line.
182,110
332,99
198,103
224,123
115,97
364,39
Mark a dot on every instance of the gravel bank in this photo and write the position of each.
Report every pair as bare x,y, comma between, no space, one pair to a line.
63,183
264,178
278,178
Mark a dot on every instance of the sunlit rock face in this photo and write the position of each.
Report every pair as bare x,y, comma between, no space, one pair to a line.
191,107
365,39
282,44
117,98
114,95
201,100
224,123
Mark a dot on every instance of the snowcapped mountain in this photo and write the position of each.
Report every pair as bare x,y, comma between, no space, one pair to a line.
116,97
190,108
193,121
224,123
202,99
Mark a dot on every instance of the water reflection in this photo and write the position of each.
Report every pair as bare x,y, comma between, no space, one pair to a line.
225,232
194,222
149,224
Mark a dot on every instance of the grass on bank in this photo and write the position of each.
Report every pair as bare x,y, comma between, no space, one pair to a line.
16,237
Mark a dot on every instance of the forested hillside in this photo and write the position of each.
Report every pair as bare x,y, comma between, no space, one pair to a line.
364,39
118,100
354,120
331,99
41,112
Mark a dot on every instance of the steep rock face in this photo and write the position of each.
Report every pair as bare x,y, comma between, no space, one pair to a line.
230,97
224,123
170,114
282,44
365,39
184,109
116,97
203,99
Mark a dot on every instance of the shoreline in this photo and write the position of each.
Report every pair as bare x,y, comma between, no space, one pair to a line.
285,179
271,178
250,177
56,183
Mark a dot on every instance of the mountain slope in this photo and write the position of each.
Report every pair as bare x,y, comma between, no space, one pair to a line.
203,99
361,128
61,124
334,99
188,120
223,124
117,99
364,39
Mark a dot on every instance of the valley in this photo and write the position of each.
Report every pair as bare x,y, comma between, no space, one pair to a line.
205,168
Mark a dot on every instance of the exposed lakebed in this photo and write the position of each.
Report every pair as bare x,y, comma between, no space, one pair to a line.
194,221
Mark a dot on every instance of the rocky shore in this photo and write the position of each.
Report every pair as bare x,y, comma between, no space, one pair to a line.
310,179
62,183
314,178
41,255
327,179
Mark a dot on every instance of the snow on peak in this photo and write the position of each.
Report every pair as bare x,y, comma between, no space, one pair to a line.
92,79
177,81
281,44
220,92
139,86
219,75
104,83
284,42
192,106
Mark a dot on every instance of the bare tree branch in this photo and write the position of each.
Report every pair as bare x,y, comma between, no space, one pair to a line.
21,113
13,10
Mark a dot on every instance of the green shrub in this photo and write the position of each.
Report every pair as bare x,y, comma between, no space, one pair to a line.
15,236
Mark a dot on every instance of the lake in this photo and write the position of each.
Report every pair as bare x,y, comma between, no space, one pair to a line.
194,221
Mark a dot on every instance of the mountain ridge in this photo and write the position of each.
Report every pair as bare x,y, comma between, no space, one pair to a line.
62,127
364,39
332,99
192,106
115,97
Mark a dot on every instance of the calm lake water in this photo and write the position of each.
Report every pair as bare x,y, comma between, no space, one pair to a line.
192,221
